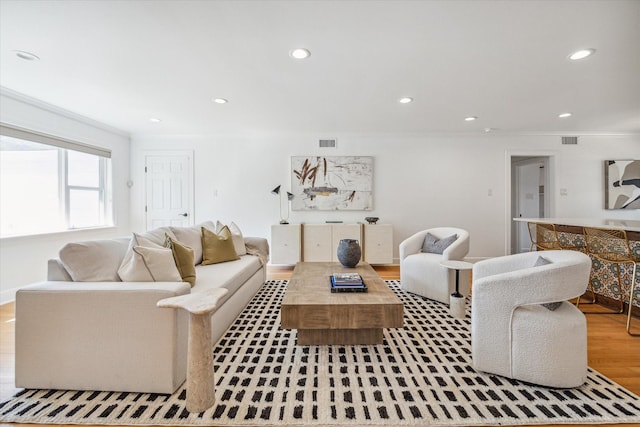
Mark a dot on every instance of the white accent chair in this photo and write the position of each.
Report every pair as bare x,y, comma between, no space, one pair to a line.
422,274
513,335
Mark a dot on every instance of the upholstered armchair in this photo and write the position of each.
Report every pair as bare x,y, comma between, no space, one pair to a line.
421,272
513,334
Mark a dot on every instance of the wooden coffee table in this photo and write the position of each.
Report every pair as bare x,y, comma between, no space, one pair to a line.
322,317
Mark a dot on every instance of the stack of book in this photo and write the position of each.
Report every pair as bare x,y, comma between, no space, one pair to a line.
347,282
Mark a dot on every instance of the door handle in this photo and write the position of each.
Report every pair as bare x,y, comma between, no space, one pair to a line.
183,214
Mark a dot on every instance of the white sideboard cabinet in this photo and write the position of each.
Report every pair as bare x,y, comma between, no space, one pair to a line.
320,241
286,240
378,243
293,243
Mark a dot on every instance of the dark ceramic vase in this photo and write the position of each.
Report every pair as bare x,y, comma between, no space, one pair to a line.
349,252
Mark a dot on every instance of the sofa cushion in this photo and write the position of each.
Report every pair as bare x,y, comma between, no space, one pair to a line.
183,257
192,237
94,260
146,261
230,275
236,236
217,247
433,245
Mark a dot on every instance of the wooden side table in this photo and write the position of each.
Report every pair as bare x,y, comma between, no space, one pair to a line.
457,306
200,376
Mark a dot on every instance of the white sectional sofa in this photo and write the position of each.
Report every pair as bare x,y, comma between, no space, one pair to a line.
109,335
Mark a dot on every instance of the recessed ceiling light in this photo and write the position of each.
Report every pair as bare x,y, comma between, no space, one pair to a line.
155,120
300,53
581,54
27,56
565,115
220,100
405,100
470,118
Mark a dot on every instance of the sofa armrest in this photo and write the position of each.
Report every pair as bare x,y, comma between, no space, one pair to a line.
412,244
499,265
258,246
100,336
90,289
458,249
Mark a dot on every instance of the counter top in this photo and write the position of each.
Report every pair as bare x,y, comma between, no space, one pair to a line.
613,224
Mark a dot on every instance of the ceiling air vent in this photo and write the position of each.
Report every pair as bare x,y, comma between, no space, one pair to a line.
327,143
570,140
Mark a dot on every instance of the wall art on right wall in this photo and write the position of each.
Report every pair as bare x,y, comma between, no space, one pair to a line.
622,184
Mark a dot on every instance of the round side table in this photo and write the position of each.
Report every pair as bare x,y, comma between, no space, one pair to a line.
457,306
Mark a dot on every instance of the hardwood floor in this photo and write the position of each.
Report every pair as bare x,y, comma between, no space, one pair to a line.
611,350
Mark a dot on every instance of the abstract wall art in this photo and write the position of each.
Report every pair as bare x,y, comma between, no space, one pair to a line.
326,183
622,184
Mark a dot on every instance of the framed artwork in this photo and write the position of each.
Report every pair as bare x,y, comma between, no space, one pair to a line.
330,183
622,184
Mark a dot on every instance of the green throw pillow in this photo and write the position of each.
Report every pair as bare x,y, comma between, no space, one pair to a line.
218,247
184,258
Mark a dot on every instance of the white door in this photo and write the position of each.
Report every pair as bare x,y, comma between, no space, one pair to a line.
169,190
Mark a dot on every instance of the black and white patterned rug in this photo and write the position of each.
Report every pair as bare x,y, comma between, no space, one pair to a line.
420,376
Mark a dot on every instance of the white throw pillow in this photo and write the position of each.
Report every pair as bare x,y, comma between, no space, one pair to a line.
158,235
150,265
94,260
236,236
146,261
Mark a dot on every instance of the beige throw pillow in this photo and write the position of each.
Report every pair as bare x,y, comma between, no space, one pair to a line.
94,260
183,257
158,235
192,237
236,236
217,247
146,261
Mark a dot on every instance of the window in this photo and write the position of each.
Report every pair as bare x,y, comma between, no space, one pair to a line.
49,185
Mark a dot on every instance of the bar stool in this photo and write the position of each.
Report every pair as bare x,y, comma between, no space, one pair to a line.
580,246
612,246
631,298
543,236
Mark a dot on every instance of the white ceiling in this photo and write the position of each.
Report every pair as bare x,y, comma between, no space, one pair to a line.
123,62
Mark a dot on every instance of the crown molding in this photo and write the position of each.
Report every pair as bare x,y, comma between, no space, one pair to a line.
20,97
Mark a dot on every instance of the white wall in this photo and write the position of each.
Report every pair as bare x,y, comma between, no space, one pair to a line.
419,181
23,260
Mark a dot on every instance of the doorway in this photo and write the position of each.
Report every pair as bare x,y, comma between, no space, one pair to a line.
530,196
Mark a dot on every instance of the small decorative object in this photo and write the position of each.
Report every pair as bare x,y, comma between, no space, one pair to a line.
349,252
276,191
371,219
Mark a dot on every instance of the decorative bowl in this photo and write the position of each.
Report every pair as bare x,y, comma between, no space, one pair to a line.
371,219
